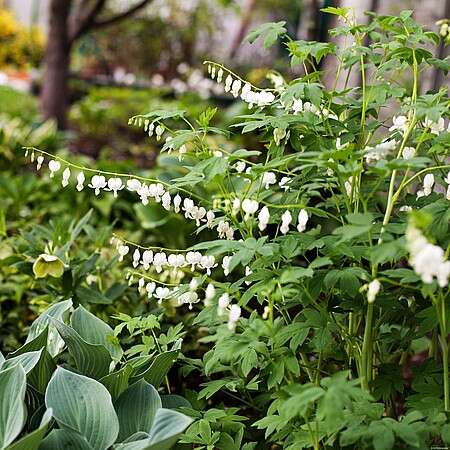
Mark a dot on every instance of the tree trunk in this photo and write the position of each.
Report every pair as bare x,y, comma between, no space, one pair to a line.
54,91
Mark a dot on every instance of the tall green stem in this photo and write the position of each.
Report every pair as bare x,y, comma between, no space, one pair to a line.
366,366
440,309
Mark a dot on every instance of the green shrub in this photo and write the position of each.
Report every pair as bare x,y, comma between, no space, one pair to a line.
321,255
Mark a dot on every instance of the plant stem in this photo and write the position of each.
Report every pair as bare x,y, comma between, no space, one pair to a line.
366,368
440,307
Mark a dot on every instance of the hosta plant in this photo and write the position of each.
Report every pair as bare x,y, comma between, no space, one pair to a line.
316,294
92,400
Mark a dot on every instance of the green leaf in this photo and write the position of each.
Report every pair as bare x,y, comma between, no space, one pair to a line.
2,222
83,405
32,440
32,345
87,294
271,32
173,401
166,428
12,405
136,408
91,359
54,342
160,366
64,440
95,331
445,433
117,382
26,360
40,375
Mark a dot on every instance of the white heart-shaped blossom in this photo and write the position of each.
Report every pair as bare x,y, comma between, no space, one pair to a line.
286,220
39,161
263,218
136,257
268,179
408,152
166,201
240,166
233,316
249,206
399,123
147,259
302,220
144,193
176,260
162,293
219,75
208,262
159,260
133,185
222,304
189,297
373,290
210,293
228,83
122,250
226,265
224,230
193,259
80,181
236,87
150,288
210,216
156,191
97,182
176,203
65,177
428,183
53,166
115,185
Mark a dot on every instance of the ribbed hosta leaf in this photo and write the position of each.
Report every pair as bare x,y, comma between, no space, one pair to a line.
64,440
167,427
32,440
91,359
95,331
26,360
83,405
54,342
117,382
136,408
12,406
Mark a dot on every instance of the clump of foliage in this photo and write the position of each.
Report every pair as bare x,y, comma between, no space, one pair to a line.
321,255
92,403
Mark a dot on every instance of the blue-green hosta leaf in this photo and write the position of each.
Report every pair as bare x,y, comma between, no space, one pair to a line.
166,428
160,366
95,331
83,405
63,439
26,360
172,401
37,343
117,382
32,440
41,373
91,359
57,311
12,406
136,408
